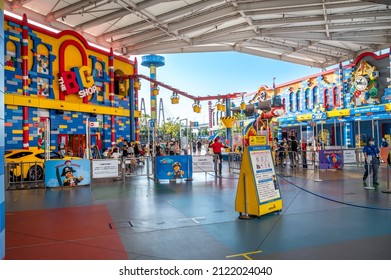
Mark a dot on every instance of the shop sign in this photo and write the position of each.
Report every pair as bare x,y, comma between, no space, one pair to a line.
288,119
319,116
78,80
369,109
338,113
304,117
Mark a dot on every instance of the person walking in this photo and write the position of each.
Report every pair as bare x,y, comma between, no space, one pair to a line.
199,146
217,146
293,147
372,161
194,146
304,154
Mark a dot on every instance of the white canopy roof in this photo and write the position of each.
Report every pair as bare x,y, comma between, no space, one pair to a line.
317,33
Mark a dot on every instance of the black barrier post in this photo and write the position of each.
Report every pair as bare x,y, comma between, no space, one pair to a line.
388,190
188,169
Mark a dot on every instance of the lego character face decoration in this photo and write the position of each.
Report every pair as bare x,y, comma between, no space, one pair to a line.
176,166
70,180
177,172
67,172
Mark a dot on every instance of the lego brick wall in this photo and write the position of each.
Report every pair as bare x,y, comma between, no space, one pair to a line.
2,187
62,122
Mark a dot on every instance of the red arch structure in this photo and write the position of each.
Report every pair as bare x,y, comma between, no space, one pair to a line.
185,94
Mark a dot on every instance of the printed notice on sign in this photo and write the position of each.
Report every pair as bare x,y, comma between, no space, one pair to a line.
105,168
203,164
264,175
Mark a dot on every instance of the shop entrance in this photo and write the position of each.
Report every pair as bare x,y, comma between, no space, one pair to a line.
76,143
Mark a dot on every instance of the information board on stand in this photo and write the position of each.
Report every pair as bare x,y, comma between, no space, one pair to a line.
258,191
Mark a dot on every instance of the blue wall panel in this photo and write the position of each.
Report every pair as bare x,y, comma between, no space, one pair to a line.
2,188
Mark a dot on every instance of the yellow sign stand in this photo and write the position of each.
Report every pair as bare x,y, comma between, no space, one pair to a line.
258,191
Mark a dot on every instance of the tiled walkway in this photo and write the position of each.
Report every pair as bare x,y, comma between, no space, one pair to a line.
333,219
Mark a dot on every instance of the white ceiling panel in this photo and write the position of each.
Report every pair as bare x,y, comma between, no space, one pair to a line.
311,32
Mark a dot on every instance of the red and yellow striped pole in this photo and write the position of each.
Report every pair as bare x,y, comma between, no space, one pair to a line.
25,80
136,122
111,94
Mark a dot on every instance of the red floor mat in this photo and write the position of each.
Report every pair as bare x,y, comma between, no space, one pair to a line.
77,233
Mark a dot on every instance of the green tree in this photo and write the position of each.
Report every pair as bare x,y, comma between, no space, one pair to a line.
204,132
239,117
143,126
169,129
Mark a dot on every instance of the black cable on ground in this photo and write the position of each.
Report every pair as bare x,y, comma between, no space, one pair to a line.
330,199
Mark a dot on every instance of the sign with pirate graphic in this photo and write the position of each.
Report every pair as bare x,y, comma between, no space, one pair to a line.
67,173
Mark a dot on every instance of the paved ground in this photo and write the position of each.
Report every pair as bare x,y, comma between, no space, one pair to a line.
140,219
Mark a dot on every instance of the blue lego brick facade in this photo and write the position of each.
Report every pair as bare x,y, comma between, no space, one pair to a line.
2,188
345,105
61,123
42,77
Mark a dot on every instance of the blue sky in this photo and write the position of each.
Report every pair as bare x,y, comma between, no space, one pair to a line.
201,74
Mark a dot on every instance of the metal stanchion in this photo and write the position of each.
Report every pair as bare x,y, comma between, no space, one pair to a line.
123,170
369,185
147,161
245,216
388,190
316,170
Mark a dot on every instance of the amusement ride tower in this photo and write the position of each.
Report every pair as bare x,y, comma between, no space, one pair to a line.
153,61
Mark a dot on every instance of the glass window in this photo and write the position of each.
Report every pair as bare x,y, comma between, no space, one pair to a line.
292,109
335,97
315,99
298,103
20,154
